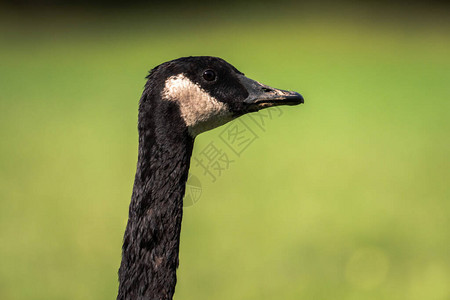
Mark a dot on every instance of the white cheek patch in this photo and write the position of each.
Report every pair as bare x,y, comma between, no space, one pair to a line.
199,110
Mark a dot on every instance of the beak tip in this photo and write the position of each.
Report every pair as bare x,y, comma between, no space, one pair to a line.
296,98
301,100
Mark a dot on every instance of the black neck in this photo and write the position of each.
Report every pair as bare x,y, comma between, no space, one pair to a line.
152,237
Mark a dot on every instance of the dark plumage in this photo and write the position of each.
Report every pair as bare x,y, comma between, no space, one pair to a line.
181,99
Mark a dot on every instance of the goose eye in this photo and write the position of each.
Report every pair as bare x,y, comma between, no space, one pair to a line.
209,75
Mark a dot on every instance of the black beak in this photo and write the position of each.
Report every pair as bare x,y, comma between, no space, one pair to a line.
262,96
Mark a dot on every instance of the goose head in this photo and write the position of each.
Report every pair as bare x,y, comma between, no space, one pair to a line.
207,92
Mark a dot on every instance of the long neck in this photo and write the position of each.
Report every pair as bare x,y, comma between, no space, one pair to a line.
152,237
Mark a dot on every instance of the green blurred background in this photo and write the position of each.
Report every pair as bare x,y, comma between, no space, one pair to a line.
344,197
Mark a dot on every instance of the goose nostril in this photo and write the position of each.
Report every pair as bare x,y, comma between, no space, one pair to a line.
266,90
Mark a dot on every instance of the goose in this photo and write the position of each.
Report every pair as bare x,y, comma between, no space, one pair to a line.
181,99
